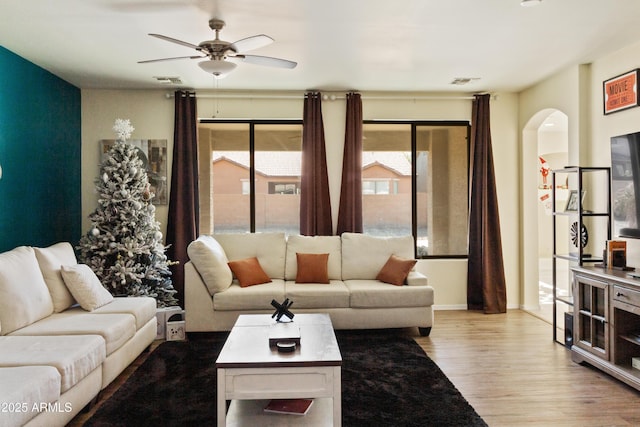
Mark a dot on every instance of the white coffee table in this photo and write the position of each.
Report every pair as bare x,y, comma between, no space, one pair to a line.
248,369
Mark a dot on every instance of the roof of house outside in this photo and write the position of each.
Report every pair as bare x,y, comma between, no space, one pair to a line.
287,163
399,162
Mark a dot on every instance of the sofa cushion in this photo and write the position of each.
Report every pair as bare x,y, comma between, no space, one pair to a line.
142,308
314,245
50,260
210,260
396,270
376,294
24,296
269,248
74,357
115,329
253,298
317,295
85,286
364,256
312,268
27,386
249,272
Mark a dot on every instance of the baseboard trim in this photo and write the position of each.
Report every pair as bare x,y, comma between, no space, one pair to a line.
464,307
450,307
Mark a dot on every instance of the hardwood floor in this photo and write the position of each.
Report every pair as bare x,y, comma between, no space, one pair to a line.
510,370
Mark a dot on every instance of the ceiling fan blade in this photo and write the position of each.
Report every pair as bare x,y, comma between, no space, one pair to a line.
169,59
266,60
251,43
172,40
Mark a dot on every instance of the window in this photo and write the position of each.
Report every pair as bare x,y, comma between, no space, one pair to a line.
380,186
253,180
415,181
246,188
386,179
284,187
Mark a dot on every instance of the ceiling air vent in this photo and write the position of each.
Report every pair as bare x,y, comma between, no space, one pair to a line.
463,80
168,80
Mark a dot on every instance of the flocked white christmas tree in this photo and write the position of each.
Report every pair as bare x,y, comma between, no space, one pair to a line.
124,243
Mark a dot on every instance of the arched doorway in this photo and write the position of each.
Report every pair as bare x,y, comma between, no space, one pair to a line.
545,147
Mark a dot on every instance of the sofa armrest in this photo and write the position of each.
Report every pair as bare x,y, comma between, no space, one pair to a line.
415,278
197,300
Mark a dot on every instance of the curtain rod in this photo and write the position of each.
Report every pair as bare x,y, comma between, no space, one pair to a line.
328,96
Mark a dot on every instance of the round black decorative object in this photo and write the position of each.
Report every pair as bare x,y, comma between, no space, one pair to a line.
583,236
286,346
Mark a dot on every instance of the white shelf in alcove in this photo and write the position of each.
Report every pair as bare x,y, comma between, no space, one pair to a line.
562,194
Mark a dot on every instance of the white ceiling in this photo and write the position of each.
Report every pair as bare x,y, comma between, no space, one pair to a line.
366,45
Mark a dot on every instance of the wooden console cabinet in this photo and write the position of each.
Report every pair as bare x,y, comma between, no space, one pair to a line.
606,321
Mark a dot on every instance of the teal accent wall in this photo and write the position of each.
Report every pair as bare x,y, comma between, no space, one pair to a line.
40,143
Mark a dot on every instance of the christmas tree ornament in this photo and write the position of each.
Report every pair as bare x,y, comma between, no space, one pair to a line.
123,129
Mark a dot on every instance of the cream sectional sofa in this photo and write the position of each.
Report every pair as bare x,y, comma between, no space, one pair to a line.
55,357
354,298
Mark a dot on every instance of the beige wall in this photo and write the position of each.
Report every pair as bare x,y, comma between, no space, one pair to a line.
604,127
151,113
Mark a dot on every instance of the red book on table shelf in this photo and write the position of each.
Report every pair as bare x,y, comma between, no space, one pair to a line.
289,406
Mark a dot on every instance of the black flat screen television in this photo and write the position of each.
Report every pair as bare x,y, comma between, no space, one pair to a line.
625,185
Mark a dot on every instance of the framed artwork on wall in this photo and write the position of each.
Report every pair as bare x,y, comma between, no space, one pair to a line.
620,92
153,153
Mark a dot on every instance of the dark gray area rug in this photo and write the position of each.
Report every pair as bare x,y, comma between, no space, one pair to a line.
387,380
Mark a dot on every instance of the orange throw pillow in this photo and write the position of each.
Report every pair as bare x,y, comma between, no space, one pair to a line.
248,272
312,268
396,270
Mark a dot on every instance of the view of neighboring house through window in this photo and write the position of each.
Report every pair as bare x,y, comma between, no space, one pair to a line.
414,180
277,164
253,180
386,179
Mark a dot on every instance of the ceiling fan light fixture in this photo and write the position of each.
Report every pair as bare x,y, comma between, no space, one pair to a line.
219,68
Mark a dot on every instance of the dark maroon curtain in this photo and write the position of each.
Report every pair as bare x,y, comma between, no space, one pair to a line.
486,285
350,211
183,219
315,205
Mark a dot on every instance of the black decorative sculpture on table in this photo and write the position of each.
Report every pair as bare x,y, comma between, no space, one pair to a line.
282,309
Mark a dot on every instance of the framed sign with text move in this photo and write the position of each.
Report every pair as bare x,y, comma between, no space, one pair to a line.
620,92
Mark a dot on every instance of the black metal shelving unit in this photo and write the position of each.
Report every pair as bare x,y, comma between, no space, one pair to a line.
578,258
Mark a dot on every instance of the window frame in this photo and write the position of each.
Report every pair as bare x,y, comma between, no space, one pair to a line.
415,124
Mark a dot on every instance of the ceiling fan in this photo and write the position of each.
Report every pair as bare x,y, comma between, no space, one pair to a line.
221,53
